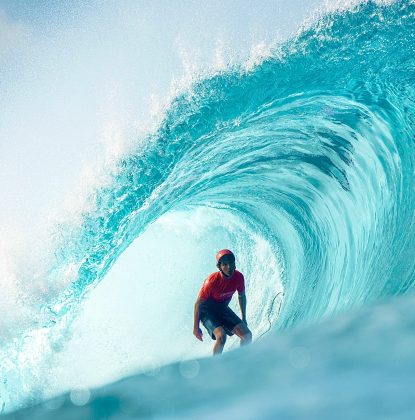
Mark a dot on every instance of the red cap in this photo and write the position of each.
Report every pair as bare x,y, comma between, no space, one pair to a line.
222,253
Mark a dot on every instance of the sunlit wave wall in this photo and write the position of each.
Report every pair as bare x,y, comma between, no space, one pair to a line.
305,160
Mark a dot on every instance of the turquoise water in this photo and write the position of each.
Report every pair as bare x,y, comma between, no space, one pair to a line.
311,152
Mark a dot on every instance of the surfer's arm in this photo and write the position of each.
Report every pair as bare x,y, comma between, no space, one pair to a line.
197,332
242,304
198,302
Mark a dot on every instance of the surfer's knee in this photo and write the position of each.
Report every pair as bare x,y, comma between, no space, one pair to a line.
244,333
220,335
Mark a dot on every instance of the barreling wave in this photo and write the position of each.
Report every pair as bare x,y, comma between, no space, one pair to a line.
311,151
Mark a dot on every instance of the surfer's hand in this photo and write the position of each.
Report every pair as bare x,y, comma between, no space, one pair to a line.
197,332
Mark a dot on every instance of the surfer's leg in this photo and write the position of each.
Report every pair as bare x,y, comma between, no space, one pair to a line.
243,332
220,336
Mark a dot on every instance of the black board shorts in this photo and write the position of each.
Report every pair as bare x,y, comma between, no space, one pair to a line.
214,315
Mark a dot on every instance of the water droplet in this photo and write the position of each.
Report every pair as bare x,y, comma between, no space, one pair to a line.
80,397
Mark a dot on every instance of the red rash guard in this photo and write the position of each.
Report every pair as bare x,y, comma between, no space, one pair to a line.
220,288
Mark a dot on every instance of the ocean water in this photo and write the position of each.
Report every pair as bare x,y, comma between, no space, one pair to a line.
303,164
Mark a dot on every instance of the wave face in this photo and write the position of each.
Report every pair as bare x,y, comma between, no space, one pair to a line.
310,153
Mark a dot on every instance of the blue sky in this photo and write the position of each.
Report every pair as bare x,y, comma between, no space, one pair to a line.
76,74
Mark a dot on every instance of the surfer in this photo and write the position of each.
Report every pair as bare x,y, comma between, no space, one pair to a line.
212,308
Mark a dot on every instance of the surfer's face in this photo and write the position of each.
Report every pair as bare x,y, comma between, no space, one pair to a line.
227,266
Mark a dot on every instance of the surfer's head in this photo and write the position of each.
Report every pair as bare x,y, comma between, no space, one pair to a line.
225,261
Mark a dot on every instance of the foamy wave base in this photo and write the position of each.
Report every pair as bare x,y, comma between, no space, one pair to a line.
359,365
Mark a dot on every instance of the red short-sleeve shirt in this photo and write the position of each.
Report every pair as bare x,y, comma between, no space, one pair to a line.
221,288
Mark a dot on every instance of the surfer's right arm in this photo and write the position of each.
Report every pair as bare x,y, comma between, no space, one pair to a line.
197,332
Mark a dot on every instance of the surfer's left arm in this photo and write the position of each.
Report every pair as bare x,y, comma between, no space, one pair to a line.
242,304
